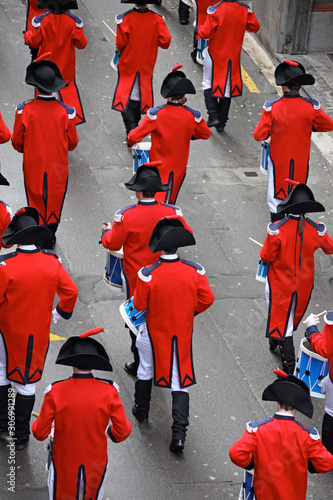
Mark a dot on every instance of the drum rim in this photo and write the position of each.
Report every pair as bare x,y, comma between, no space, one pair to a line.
312,354
138,146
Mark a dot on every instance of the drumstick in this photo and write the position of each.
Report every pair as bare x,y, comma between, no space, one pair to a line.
256,242
109,28
317,315
34,414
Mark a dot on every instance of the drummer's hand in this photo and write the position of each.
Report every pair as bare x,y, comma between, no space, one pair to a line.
106,225
311,320
56,316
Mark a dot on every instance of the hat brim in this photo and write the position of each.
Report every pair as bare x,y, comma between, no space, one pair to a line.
289,393
86,360
300,207
26,236
57,4
183,86
176,237
59,82
3,181
300,80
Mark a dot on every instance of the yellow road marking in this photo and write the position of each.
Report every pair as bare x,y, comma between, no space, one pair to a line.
56,337
249,82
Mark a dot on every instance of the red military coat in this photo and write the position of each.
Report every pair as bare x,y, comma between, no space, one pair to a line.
280,448
225,27
4,131
291,271
323,343
172,291
132,229
29,281
139,34
32,12
5,218
81,408
288,121
201,11
44,131
61,33
171,126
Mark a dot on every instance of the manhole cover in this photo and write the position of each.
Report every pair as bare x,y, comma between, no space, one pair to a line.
251,174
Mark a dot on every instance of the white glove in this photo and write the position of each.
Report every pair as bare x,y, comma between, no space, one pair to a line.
311,320
56,316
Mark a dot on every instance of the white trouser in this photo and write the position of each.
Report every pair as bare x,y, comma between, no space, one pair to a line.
290,326
135,94
329,397
146,365
271,201
207,74
25,390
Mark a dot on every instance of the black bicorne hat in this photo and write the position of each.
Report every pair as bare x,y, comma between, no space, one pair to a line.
45,74
142,2
24,228
57,4
170,233
291,391
3,180
176,83
292,73
147,178
84,353
300,201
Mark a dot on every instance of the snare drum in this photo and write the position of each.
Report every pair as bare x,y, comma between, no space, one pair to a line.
115,60
141,152
132,317
265,148
114,268
202,44
247,491
262,271
311,368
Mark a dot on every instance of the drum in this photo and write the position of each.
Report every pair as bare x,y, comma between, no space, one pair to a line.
311,368
247,491
49,450
114,268
141,152
262,271
265,148
202,44
132,317
115,60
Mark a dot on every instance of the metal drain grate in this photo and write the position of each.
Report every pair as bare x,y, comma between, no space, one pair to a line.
330,56
251,174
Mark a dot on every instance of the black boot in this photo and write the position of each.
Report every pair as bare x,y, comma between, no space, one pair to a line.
142,397
273,344
131,116
23,409
327,432
132,367
180,415
287,352
4,412
212,109
224,106
183,12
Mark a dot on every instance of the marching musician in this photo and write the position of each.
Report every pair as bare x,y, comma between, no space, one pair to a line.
225,26
289,248
32,11
5,210
44,131
280,449
132,228
172,126
173,291
200,8
29,279
140,32
289,122
322,344
60,32
81,408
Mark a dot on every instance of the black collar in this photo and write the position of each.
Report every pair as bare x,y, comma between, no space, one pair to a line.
169,103
167,261
292,94
147,203
284,417
19,250
82,375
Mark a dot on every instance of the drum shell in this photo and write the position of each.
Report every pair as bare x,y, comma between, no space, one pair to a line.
265,149
262,271
132,317
311,368
141,154
247,491
202,44
113,274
